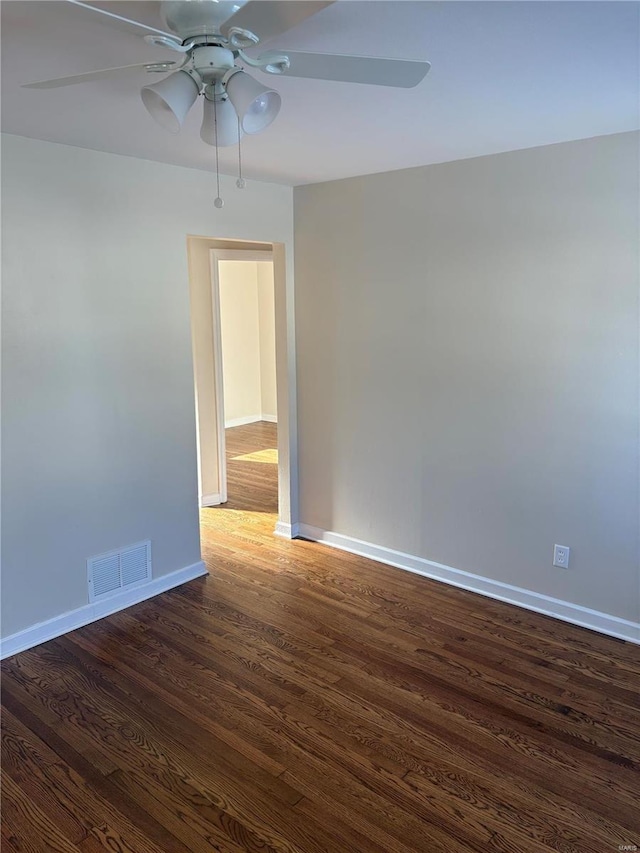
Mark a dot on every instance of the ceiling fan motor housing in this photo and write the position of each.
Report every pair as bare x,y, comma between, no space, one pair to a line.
211,63
189,18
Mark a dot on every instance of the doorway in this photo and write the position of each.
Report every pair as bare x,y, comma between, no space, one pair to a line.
243,301
215,452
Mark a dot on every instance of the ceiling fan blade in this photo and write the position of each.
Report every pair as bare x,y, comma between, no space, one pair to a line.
269,18
124,23
400,73
96,75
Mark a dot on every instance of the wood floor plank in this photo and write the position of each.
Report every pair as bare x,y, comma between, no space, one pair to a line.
198,822
30,829
541,712
160,692
215,759
88,793
28,767
143,755
304,700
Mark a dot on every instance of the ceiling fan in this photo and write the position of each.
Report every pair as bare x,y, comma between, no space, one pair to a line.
212,37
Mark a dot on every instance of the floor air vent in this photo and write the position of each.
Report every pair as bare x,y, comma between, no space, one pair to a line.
118,570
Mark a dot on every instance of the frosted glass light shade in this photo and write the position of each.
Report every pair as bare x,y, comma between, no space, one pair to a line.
256,105
169,101
227,124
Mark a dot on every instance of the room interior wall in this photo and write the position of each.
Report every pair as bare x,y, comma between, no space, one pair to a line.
98,426
247,318
467,339
240,331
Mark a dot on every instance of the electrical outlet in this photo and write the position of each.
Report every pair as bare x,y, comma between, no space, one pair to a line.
561,556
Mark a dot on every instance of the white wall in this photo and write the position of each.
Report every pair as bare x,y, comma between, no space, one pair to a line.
240,330
98,403
468,365
247,321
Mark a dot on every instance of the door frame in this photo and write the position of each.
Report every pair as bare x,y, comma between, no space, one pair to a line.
201,312
215,256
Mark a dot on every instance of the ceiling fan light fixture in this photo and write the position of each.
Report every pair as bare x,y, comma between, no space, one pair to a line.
169,101
227,123
255,104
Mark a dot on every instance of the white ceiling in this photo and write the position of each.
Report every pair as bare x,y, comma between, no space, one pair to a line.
505,75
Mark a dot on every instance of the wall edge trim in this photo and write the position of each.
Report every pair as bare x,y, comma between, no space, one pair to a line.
250,419
210,500
234,422
66,622
287,531
566,611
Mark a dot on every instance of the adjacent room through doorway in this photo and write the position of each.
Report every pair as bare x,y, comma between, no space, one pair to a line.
248,355
245,392
240,352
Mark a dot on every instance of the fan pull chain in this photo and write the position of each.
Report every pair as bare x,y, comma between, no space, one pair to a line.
240,183
218,202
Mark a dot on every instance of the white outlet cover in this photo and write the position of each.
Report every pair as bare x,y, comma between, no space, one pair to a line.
561,556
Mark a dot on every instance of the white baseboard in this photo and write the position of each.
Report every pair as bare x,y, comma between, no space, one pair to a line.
250,419
614,626
210,500
60,625
287,531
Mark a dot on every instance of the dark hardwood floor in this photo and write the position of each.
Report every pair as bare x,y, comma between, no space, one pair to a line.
302,700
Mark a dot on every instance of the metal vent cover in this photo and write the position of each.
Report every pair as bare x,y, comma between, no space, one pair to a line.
118,570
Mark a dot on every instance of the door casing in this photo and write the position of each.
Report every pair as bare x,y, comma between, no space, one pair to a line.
215,256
